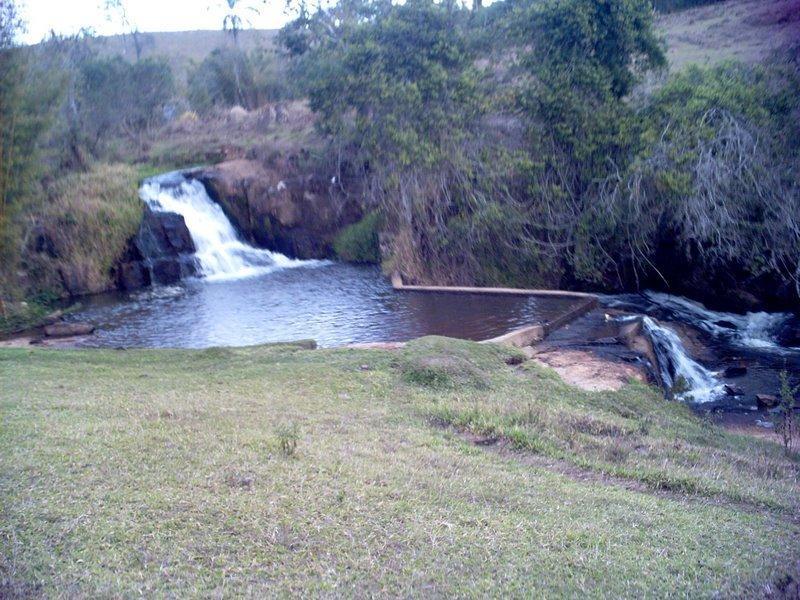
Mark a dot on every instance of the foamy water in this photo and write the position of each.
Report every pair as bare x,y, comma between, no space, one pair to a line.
220,253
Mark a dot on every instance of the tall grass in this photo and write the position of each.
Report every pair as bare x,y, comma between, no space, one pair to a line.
87,222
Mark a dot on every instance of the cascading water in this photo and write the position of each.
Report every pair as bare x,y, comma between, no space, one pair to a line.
754,330
743,344
676,367
220,254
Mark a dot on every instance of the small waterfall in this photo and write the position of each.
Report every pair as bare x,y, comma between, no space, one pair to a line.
754,330
220,254
674,364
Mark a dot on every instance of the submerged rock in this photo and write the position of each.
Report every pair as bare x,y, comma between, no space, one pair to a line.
166,271
133,275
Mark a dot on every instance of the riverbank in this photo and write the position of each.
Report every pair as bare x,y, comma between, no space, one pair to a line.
283,470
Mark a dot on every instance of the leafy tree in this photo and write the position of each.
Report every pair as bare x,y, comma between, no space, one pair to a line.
224,78
712,181
578,60
22,120
118,97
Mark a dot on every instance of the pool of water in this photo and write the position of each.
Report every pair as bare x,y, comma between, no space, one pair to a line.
332,303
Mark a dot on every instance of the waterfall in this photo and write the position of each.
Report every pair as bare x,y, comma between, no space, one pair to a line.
754,330
674,363
220,254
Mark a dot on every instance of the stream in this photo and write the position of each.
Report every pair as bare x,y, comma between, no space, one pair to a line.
241,295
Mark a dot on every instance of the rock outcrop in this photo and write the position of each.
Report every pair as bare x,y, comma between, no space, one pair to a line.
162,252
276,206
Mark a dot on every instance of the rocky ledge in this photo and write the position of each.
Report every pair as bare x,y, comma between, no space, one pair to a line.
166,242
276,205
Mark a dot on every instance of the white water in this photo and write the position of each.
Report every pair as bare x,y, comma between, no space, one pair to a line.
220,252
675,363
753,330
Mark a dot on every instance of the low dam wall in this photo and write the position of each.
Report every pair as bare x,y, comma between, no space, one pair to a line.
524,336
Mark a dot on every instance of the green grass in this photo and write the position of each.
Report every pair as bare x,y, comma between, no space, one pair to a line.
359,242
18,316
166,473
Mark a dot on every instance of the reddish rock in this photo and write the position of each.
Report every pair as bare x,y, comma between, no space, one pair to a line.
68,329
277,206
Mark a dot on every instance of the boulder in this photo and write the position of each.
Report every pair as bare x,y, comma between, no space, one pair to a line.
789,334
163,234
167,271
766,401
735,371
53,318
132,276
631,333
733,390
68,329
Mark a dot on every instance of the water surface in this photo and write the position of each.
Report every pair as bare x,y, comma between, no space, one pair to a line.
333,303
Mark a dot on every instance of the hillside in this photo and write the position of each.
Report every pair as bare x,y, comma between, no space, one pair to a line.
745,30
183,47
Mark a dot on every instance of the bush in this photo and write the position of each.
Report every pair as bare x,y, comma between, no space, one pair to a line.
358,243
230,77
288,436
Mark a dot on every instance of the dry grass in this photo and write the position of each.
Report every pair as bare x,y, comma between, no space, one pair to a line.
86,223
745,30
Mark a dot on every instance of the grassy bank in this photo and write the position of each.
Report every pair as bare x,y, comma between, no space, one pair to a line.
175,473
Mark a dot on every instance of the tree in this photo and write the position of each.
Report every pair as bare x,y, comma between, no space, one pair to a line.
10,84
140,40
579,59
118,97
238,15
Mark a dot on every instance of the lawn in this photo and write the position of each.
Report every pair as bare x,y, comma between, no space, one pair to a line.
175,473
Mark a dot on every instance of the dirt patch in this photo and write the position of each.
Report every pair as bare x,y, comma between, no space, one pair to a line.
588,371
36,341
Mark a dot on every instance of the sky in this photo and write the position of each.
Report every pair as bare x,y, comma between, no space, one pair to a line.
69,16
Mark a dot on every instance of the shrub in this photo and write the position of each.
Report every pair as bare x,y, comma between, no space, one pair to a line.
231,77
358,243
288,436
787,425
118,97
